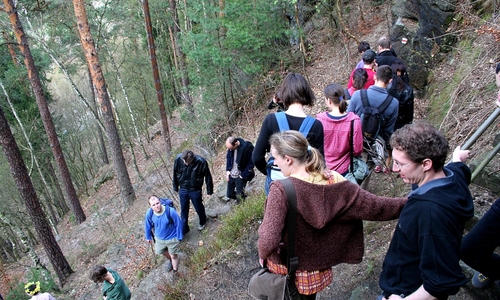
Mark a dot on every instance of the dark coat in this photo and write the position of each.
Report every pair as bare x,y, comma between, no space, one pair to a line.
191,177
243,159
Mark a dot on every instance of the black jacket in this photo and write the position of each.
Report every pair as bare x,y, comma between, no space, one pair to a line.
190,177
243,159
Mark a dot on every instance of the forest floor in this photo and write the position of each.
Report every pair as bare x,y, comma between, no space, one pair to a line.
113,234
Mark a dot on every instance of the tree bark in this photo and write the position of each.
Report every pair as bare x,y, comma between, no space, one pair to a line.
44,110
156,76
28,194
127,192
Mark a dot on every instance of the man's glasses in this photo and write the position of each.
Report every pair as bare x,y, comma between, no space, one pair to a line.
400,165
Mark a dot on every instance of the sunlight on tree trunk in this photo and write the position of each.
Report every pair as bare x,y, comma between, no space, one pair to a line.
126,190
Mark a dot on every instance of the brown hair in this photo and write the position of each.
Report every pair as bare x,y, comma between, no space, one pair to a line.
335,93
296,89
97,273
187,156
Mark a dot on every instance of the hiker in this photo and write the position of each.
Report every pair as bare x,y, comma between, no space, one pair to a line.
33,290
295,93
239,167
165,223
337,129
369,66
403,93
423,257
386,55
327,232
113,287
359,78
376,96
362,47
189,172
276,103
478,246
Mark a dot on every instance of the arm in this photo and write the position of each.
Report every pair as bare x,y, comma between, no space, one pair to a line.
390,122
358,138
349,83
208,178
262,145
147,225
175,181
274,221
250,165
177,223
316,137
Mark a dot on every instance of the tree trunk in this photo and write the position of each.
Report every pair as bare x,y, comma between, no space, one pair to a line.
156,76
126,190
28,194
100,136
44,110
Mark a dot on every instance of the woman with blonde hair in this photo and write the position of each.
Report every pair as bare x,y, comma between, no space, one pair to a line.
33,290
337,130
330,210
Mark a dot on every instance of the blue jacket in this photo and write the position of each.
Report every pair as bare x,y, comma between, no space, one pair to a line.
163,228
243,159
425,248
190,177
376,96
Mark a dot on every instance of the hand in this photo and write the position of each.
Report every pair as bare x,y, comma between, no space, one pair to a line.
460,155
227,175
393,297
149,241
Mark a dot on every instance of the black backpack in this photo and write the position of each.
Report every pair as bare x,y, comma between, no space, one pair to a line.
372,117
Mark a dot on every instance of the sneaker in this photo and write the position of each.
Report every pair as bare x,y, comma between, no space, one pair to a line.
169,266
480,281
201,227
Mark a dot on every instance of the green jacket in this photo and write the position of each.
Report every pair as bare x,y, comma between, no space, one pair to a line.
117,290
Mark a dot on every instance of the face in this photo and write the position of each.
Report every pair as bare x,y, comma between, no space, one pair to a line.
411,172
155,204
230,147
497,77
282,162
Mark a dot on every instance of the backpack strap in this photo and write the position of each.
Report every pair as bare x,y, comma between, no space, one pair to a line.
351,146
347,94
291,219
385,104
282,121
364,98
306,125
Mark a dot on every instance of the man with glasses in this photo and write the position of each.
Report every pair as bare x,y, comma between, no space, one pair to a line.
423,259
189,172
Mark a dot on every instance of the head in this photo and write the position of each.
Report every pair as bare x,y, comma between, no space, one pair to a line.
334,94
363,46
384,43
497,72
296,89
97,274
398,70
369,56
417,149
32,288
187,156
291,150
232,143
359,78
384,75
154,203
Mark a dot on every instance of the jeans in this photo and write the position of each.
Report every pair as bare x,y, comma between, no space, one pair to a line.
238,184
196,199
478,245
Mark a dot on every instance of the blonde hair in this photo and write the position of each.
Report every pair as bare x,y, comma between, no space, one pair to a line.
293,144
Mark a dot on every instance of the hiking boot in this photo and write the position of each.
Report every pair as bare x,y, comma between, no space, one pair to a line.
201,227
479,281
169,266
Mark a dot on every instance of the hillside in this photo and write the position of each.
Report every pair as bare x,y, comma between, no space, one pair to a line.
113,234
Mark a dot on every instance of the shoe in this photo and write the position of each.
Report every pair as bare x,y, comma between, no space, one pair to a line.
377,169
169,266
479,281
175,274
201,227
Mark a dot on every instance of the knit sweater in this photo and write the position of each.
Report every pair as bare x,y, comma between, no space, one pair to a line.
329,228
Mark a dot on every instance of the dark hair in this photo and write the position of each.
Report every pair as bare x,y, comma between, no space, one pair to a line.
384,42
296,89
421,140
335,92
363,46
384,73
187,156
30,289
149,198
498,68
295,145
398,82
98,273
359,78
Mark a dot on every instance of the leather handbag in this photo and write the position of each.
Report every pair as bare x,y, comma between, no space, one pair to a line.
266,285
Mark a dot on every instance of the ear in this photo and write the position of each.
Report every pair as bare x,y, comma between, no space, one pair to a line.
427,164
288,159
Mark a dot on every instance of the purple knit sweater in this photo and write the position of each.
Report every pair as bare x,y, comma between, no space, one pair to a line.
329,227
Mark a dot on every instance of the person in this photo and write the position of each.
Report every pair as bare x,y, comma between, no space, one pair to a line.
189,172
113,287
376,95
478,246
239,167
168,231
422,261
331,232
369,66
403,93
295,93
276,103
362,47
337,130
386,55
359,78
33,290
